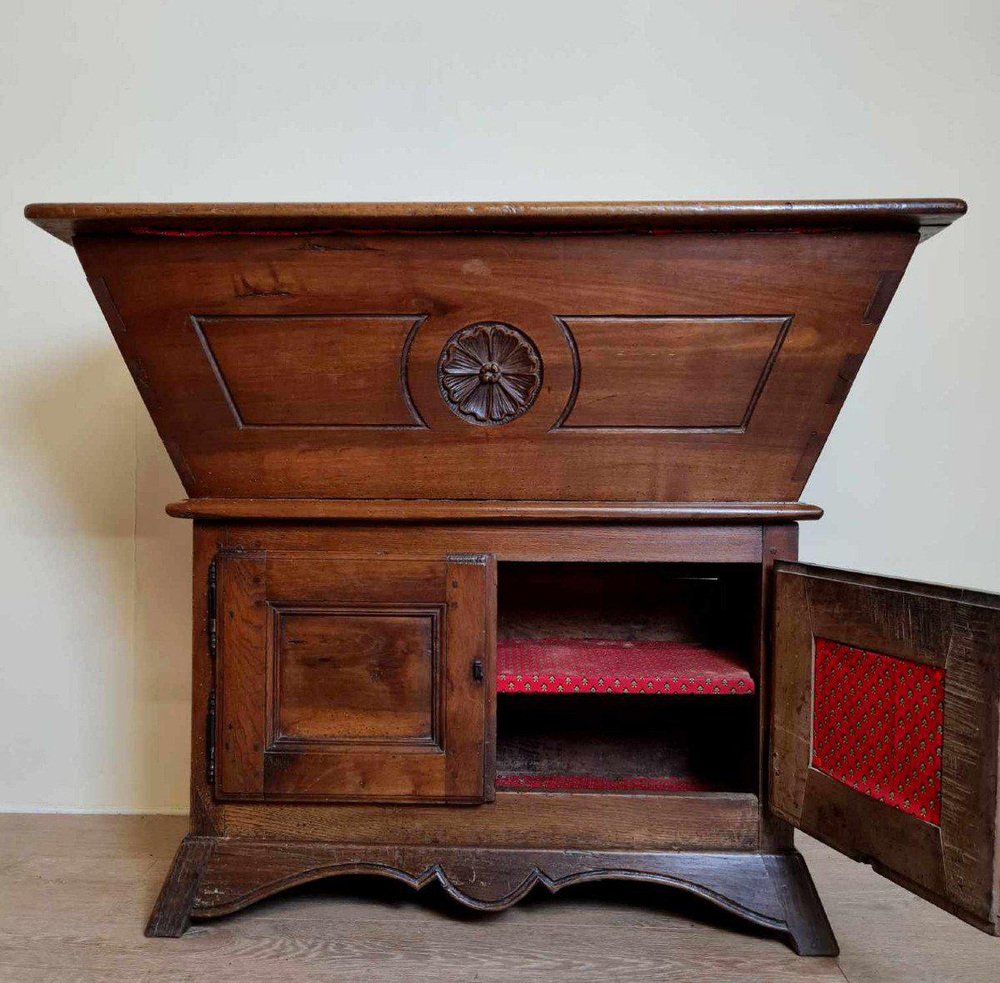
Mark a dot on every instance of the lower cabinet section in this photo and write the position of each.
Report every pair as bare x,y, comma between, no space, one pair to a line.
405,679
493,726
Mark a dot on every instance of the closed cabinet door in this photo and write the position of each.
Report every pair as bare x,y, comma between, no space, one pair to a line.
884,736
354,679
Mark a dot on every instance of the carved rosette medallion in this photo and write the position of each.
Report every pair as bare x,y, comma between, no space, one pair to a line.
489,373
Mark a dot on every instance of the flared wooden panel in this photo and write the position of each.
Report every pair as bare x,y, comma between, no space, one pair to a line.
621,368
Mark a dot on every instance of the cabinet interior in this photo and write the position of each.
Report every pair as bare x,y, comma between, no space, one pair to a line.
626,677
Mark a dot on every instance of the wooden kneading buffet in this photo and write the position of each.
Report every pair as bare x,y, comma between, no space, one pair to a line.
495,527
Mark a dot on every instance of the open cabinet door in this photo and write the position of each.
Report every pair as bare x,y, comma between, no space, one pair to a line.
354,679
884,731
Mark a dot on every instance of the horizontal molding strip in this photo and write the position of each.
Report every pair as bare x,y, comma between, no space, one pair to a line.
427,510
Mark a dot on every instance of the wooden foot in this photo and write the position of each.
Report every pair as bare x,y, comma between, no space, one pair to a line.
171,914
212,877
807,928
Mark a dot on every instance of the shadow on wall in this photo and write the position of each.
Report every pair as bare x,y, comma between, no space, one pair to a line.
106,479
76,436
162,626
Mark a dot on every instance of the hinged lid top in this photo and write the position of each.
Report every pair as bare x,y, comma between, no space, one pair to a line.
923,215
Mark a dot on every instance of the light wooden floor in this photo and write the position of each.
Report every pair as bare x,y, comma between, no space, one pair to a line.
75,890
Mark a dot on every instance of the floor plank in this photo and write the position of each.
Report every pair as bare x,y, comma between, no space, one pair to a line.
888,935
75,891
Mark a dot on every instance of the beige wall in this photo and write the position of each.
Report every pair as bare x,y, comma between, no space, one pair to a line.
328,100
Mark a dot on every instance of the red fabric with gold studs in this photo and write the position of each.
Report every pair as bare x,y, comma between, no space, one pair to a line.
877,726
588,665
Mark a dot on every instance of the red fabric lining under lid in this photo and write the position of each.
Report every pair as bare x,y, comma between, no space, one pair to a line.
560,665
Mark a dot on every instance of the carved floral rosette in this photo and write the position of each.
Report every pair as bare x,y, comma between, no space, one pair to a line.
489,373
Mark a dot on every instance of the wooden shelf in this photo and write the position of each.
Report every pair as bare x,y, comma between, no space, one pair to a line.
588,665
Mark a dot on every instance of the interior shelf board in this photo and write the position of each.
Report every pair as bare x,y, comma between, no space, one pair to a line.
588,665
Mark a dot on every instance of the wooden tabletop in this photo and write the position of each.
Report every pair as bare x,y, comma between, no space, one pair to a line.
922,215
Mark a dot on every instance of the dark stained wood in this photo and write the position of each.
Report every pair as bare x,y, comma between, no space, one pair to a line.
354,674
723,821
809,929
171,914
470,690
429,510
525,542
349,679
764,890
780,543
717,821
729,356
954,864
312,372
926,215
204,679
241,673
645,434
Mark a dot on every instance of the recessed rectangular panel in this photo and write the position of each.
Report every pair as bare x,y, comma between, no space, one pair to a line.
670,373
356,677
338,371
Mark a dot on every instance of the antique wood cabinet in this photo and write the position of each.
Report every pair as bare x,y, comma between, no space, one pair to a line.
495,522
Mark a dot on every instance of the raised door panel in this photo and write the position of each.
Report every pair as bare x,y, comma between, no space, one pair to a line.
355,675
886,729
354,679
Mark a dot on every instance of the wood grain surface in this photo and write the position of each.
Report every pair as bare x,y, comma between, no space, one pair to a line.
926,215
674,368
347,678
429,510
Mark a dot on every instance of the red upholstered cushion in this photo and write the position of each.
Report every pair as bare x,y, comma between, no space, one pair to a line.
590,783
588,665
877,726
